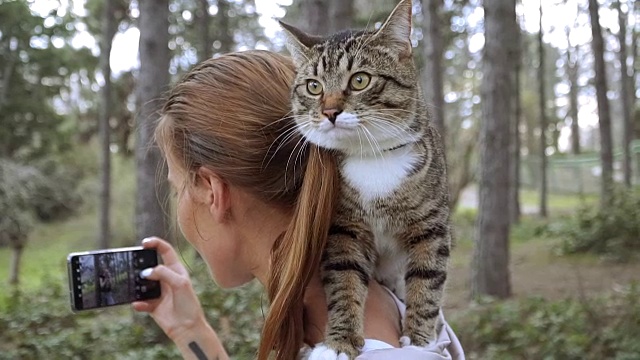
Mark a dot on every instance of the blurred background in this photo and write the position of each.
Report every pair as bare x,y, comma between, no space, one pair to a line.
546,222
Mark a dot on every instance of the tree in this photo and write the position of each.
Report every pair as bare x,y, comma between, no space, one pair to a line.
572,66
203,20
625,95
313,23
109,28
341,15
543,122
36,64
432,48
514,206
224,32
604,114
490,271
151,176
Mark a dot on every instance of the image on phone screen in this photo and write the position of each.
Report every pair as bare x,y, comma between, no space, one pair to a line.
101,279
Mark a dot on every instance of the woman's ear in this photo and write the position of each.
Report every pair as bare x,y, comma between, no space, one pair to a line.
213,193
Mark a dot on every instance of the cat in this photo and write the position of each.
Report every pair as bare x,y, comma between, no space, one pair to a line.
356,94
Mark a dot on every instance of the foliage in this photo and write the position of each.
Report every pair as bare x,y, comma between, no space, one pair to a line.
45,191
534,328
37,63
39,324
236,314
613,233
17,184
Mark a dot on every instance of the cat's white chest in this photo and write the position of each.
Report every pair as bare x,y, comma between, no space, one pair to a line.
378,177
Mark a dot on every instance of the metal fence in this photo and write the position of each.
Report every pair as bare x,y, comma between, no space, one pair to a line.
576,174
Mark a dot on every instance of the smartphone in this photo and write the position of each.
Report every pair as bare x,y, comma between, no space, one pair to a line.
109,277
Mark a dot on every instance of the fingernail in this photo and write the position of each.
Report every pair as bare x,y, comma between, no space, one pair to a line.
146,272
146,240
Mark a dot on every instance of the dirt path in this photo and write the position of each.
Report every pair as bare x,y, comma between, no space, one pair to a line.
536,271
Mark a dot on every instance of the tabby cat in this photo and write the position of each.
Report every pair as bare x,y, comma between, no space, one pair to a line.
356,93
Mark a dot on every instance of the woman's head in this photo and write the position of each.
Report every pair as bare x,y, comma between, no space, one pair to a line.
227,120
228,114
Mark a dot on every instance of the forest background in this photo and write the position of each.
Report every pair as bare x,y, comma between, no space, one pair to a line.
544,168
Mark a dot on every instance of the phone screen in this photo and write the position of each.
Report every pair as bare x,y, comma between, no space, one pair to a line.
111,277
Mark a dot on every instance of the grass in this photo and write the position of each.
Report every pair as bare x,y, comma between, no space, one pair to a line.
557,202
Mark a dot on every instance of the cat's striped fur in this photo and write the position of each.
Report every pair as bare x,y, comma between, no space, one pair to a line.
392,217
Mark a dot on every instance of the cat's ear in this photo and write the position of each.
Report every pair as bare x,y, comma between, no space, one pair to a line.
299,43
396,30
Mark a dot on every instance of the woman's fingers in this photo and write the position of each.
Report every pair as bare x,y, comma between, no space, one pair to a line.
167,253
167,276
145,306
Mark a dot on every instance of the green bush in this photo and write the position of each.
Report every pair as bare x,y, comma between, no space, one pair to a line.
57,197
40,325
603,328
612,234
236,314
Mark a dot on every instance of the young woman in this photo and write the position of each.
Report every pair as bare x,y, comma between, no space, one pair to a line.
256,204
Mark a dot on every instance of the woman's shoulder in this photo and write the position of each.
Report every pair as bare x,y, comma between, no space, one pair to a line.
408,353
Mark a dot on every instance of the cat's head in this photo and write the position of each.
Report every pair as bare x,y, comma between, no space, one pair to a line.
356,91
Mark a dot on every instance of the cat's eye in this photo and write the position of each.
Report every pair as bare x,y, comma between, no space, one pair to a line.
359,81
314,87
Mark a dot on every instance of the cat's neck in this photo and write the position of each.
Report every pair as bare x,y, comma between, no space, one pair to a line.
378,150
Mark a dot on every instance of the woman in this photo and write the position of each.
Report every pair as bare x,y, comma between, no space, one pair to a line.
255,204
105,284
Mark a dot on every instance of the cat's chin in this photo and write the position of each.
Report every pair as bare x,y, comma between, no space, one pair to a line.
341,139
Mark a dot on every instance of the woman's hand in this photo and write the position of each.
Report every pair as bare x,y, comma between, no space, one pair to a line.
178,308
178,311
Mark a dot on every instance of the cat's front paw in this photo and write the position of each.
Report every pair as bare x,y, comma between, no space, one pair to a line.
420,341
323,352
348,346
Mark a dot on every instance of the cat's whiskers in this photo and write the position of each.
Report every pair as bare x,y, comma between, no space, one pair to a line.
393,133
377,144
287,134
303,140
373,144
360,139
380,122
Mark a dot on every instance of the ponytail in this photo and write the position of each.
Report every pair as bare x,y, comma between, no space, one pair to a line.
296,256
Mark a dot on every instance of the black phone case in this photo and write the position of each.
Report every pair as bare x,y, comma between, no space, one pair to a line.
104,278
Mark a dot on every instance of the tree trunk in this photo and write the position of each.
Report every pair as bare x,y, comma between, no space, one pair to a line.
152,189
341,15
514,208
604,115
109,29
204,28
572,74
625,94
432,82
543,122
311,20
16,257
225,33
490,272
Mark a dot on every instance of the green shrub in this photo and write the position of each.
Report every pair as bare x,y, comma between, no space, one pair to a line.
236,314
534,328
57,197
40,325
612,234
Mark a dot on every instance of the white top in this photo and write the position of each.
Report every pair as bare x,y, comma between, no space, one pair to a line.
446,347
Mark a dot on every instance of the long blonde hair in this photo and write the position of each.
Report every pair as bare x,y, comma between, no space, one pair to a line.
231,114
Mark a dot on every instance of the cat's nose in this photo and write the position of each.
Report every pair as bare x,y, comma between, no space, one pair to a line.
332,114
